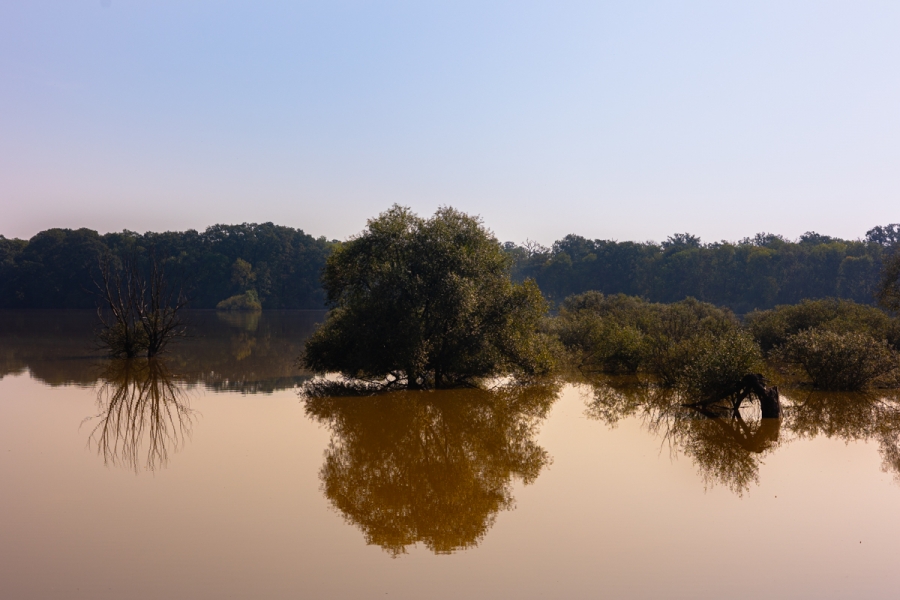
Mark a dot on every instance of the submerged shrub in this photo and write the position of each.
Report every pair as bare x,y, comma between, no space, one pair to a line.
248,301
673,333
717,363
599,343
772,328
840,361
689,344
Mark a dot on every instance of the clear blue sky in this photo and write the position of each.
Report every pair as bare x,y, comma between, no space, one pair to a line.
617,120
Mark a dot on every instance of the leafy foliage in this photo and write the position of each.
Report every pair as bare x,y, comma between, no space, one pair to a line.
774,327
840,361
888,292
717,362
691,345
248,301
429,301
54,268
755,273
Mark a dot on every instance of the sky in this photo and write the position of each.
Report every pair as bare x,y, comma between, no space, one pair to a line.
612,120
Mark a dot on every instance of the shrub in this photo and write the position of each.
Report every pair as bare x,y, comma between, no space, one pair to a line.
248,301
673,334
840,361
621,333
717,362
599,343
772,328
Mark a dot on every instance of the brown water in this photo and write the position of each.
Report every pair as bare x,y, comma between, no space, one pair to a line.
208,476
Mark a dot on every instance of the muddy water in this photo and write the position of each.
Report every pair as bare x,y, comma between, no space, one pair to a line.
206,475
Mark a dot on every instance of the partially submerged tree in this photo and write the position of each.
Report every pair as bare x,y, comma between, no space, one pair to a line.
141,309
427,302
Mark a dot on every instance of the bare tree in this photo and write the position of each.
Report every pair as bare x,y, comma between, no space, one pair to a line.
141,310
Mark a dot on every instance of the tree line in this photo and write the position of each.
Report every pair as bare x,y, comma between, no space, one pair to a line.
57,268
754,273
282,266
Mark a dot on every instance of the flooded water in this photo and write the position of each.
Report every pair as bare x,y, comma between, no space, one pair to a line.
206,475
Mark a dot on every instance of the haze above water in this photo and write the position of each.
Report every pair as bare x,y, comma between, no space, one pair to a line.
207,476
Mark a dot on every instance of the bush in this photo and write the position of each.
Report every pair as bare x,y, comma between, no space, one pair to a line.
248,301
674,332
621,333
717,362
597,343
772,328
840,361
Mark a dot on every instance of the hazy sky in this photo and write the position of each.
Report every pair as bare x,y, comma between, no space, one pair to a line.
617,120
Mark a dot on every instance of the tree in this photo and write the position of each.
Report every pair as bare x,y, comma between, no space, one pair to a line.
140,310
888,292
427,302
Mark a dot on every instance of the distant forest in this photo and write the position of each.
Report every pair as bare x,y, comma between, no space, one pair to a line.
54,269
755,273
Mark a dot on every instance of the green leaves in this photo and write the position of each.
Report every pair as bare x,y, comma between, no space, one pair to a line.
430,300
840,361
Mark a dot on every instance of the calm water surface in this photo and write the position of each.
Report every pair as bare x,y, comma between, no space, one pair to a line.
206,475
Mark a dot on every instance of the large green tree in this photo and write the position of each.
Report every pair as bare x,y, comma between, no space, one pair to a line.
427,302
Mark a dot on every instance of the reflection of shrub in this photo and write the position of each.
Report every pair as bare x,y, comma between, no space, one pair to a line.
839,361
717,362
773,327
248,301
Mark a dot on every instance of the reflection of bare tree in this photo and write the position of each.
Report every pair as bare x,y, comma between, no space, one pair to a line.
851,416
430,467
727,446
144,413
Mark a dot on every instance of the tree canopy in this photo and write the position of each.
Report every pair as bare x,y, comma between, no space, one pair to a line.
55,268
428,302
757,272
282,266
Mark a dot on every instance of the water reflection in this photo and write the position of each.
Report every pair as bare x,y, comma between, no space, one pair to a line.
243,352
850,417
430,467
728,448
144,415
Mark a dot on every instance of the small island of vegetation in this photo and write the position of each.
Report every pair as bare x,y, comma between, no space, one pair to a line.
427,303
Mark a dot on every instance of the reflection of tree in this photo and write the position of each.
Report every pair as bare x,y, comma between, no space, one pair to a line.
433,467
245,352
727,449
852,416
726,446
144,412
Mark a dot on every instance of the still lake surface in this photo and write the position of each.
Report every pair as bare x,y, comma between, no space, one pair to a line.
207,475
